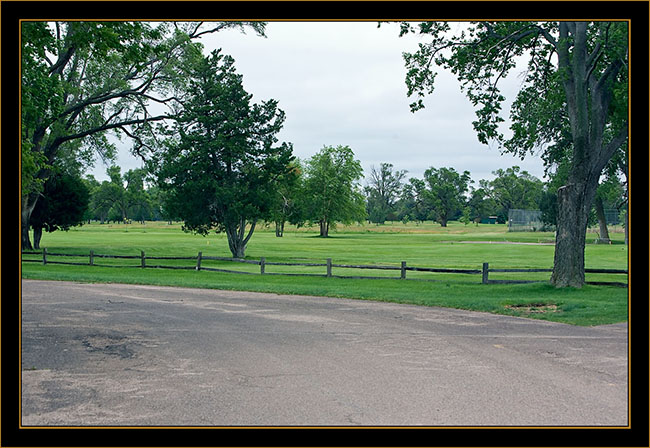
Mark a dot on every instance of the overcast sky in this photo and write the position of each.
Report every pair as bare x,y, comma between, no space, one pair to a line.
342,83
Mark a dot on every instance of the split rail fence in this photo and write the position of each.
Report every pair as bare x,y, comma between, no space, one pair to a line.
329,265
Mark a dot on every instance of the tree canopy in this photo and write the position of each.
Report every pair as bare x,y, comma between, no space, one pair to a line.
82,80
332,190
572,101
383,190
220,163
445,192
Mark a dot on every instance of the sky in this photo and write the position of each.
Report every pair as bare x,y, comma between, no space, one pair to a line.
343,83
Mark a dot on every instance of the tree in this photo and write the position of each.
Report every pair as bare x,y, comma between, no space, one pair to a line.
138,201
383,190
332,192
82,80
480,204
575,89
288,203
220,163
446,192
413,202
103,199
63,205
612,195
513,188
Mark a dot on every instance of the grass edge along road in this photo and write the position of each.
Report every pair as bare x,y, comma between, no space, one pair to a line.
590,305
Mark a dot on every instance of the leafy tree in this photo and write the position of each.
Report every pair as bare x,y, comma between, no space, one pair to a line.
412,203
611,195
575,89
63,205
137,197
288,203
480,205
445,192
513,188
383,190
82,80
332,192
220,165
92,185
104,198
159,210
118,195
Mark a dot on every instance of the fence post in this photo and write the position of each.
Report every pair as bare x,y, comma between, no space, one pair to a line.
485,273
198,261
142,262
262,265
402,274
329,267
92,258
44,255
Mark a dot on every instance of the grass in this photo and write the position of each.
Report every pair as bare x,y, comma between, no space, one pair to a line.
426,245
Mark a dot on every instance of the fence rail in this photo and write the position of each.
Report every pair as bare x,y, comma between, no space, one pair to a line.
262,263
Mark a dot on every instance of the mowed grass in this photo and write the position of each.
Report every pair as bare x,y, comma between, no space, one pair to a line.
424,245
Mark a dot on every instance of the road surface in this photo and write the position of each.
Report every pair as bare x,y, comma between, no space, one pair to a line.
122,355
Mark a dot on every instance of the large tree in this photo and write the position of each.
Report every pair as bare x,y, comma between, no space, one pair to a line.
332,191
574,89
513,188
413,204
220,164
288,202
63,205
383,190
82,80
445,193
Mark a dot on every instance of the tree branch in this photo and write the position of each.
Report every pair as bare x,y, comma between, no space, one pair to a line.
109,126
608,151
195,34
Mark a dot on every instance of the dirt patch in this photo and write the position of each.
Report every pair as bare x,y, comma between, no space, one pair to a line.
108,345
533,308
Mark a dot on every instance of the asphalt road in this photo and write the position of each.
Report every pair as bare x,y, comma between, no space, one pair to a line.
123,355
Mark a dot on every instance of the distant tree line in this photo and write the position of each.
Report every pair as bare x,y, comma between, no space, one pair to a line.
444,194
326,190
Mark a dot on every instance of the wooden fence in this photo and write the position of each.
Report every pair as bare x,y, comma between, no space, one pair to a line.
262,263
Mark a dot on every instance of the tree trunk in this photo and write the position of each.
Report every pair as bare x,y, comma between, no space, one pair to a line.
602,221
279,228
324,228
237,240
574,202
38,234
28,205
588,98
26,244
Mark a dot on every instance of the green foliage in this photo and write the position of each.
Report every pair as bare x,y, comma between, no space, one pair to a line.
482,55
514,189
383,190
413,201
332,192
445,193
288,203
63,205
221,165
571,106
84,80
480,204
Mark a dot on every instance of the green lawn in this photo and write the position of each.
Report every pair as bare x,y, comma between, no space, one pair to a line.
424,245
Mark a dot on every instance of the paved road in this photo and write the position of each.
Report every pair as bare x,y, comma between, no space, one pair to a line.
145,355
